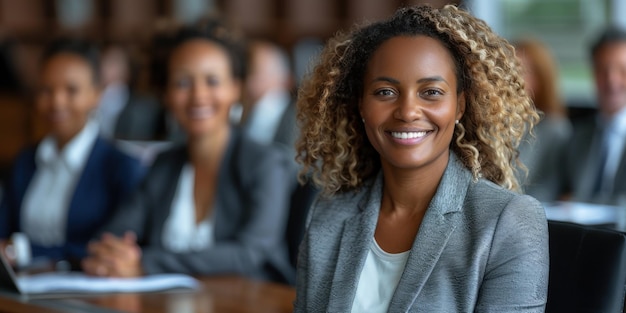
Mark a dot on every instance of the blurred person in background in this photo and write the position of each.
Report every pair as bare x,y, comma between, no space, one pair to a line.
595,165
217,204
68,185
124,112
269,109
542,152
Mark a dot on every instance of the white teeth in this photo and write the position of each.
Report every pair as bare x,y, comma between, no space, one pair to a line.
408,135
200,112
58,115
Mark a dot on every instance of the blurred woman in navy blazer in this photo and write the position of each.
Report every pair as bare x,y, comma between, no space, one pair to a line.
68,185
217,204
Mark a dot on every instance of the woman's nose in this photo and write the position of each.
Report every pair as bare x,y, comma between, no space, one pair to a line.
200,93
408,108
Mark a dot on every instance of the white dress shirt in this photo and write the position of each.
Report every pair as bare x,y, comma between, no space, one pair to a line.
379,278
615,137
49,194
266,116
181,233
112,102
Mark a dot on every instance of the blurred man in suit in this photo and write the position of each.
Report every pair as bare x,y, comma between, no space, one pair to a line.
268,108
124,113
596,163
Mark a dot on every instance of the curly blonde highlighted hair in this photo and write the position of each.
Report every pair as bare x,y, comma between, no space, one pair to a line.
333,144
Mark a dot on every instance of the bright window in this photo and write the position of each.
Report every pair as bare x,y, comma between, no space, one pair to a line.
567,27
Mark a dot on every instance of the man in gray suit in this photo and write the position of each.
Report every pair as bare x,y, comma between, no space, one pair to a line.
595,167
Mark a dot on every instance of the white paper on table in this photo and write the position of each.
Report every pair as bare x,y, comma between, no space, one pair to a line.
583,213
77,282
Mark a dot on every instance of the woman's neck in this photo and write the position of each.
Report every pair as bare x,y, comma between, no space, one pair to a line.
207,151
410,191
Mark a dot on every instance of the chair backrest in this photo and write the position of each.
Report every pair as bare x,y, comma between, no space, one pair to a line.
301,200
587,268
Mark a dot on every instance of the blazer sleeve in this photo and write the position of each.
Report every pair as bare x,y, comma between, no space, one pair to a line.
129,173
516,277
268,183
6,212
132,214
124,174
13,191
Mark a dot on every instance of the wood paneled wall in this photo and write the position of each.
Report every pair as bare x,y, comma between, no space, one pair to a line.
31,23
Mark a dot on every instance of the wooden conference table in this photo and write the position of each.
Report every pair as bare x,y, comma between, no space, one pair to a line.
219,294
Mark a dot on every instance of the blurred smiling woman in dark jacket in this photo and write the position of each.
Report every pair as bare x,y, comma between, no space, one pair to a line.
216,205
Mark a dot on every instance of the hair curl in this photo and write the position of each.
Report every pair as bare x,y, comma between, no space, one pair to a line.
333,145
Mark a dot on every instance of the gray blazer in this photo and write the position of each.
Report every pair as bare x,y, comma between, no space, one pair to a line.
480,248
250,214
581,164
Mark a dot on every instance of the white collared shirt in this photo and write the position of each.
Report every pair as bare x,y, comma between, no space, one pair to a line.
181,233
266,116
378,280
615,137
112,102
48,196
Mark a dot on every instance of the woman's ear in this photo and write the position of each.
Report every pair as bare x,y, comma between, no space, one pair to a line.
460,107
361,112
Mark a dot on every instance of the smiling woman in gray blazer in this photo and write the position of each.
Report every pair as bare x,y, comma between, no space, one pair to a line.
411,128
219,203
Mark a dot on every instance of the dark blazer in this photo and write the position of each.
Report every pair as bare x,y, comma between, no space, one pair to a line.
582,161
142,118
480,248
108,178
250,214
287,131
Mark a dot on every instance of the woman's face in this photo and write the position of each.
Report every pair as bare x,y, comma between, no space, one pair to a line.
528,70
66,96
410,102
201,87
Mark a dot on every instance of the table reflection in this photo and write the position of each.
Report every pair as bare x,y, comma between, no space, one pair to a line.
611,216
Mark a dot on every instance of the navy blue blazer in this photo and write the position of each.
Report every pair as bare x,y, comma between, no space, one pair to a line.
108,178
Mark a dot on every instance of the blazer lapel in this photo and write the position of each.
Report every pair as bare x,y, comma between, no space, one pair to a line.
355,243
169,175
229,184
439,222
590,163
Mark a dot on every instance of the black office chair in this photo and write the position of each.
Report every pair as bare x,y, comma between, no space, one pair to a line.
301,200
587,269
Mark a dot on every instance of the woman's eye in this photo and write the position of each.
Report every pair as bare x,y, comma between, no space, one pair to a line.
212,81
384,92
432,92
182,83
